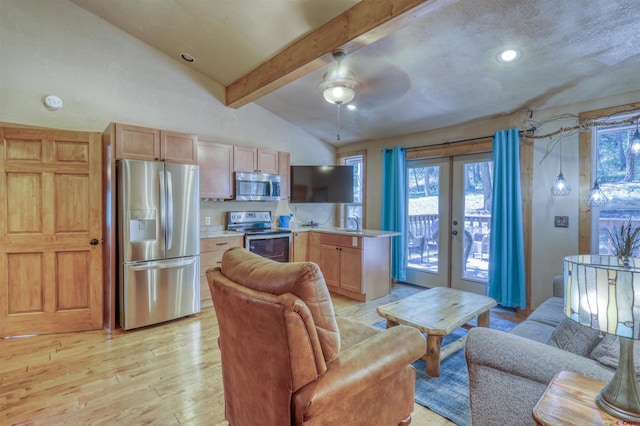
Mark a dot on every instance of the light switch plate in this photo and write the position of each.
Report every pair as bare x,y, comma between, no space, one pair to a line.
561,221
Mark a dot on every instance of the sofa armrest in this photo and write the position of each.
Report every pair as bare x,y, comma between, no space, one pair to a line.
359,367
558,286
526,358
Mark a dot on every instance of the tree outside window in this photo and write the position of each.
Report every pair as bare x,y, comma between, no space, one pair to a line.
618,173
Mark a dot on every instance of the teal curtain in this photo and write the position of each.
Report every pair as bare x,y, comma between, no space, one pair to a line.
394,211
506,269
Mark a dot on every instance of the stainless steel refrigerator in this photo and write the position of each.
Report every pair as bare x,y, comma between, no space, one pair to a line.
158,241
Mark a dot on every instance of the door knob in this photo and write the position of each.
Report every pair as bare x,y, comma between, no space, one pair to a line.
454,232
93,242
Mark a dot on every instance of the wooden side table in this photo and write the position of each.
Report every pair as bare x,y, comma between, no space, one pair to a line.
570,401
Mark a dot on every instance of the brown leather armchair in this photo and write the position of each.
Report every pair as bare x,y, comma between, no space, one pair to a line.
286,358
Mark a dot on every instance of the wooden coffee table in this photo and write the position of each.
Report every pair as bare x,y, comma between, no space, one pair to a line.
437,312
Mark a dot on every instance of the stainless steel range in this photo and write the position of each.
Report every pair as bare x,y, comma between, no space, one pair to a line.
260,237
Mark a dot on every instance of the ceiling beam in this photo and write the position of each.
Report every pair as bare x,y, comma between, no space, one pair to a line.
363,24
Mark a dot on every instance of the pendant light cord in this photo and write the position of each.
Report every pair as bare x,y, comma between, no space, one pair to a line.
561,138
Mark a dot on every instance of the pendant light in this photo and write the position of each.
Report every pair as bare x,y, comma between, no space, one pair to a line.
596,197
635,142
560,186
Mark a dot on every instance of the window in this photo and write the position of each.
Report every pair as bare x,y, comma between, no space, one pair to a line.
352,216
618,174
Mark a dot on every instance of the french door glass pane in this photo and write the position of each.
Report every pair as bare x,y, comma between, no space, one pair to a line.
617,168
422,227
478,178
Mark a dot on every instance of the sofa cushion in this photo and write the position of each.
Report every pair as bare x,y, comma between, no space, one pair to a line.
303,280
533,330
607,352
550,312
574,337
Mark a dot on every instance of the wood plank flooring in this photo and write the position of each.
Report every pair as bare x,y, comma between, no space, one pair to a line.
168,374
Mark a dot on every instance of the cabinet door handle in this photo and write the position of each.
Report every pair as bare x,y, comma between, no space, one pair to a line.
221,244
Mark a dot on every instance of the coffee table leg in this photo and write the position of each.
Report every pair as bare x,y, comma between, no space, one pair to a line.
433,355
483,319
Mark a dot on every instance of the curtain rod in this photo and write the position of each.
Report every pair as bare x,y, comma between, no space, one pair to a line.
520,132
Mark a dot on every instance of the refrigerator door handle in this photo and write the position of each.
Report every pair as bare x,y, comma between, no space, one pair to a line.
163,212
162,265
169,210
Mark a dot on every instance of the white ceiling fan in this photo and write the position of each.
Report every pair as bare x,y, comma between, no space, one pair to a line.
338,84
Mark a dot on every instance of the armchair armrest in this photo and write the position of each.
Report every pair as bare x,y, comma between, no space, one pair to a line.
359,367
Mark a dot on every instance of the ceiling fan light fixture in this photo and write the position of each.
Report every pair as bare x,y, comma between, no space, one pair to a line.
339,94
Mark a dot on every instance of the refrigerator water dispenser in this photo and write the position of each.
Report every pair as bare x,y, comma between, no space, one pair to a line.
142,226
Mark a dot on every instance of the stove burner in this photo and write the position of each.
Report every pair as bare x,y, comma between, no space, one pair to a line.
253,223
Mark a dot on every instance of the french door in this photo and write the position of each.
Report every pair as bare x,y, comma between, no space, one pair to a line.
448,223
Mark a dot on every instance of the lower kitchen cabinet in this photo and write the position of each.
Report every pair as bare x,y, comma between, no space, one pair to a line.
356,267
211,251
300,244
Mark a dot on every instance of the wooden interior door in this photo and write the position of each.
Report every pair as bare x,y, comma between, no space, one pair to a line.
51,236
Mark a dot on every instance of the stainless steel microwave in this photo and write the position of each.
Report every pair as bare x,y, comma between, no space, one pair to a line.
255,186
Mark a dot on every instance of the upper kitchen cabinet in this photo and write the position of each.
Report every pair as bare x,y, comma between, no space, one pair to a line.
178,147
135,143
216,173
255,160
284,170
141,143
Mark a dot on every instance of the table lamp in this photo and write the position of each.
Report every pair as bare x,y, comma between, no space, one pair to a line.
603,292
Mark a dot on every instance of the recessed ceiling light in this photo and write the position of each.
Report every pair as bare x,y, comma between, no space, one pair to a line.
186,57
352,107
509,55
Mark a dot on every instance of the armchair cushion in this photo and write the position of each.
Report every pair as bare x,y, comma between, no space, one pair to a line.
303,280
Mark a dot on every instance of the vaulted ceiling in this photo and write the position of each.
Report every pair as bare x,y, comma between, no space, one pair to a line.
420,64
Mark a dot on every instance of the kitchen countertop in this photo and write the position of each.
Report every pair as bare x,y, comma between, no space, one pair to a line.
375,233
371,233
217,233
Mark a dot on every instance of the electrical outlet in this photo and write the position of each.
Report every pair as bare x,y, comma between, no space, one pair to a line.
207,220
561,221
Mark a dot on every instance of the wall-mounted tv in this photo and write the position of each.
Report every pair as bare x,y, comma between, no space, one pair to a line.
321,184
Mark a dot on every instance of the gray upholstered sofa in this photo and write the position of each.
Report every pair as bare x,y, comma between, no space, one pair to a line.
509,372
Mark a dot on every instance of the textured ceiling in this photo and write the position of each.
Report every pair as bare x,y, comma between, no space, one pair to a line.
439,71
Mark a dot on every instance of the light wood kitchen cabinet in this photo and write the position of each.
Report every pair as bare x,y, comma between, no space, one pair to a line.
284,170
268,161
136,143
211,251
247,159
353,266
216,170
300,243
178,147
141,143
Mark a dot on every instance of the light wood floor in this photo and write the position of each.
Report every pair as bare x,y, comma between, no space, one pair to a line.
168,374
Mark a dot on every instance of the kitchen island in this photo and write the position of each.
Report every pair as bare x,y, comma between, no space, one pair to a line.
355,263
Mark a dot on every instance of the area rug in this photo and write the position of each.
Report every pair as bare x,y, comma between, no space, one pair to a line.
448,395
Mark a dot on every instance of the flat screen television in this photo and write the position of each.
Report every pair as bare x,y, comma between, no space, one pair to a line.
321,184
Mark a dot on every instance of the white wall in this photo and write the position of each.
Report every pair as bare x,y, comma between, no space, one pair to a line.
549,244
104,75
